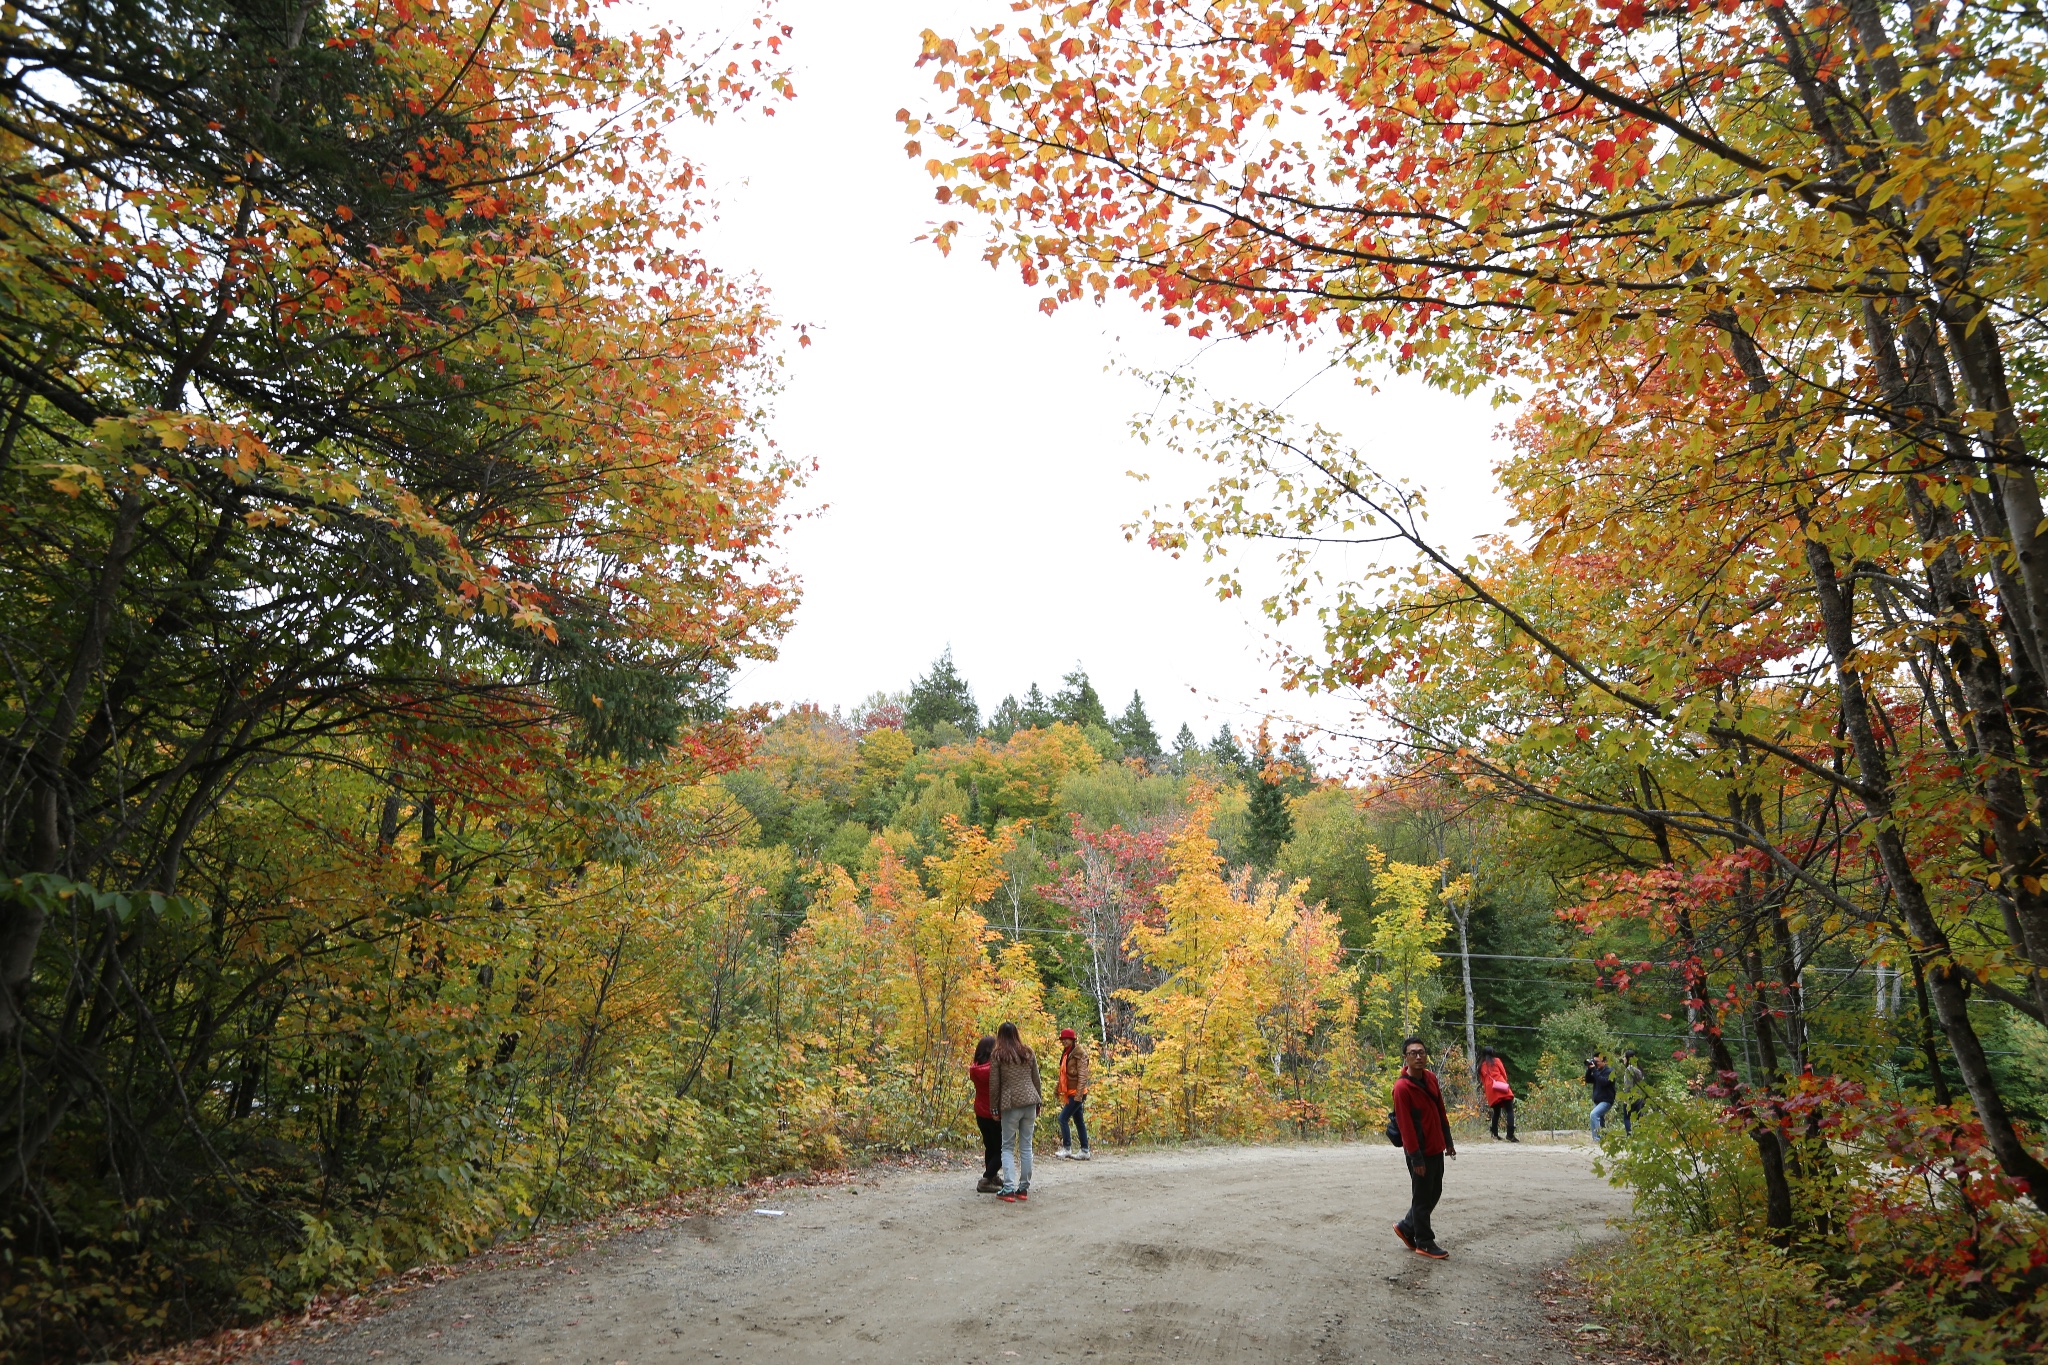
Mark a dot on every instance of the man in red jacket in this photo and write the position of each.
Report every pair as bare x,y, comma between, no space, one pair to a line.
1425,1142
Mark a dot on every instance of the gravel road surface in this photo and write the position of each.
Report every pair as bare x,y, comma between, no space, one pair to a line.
1203,1254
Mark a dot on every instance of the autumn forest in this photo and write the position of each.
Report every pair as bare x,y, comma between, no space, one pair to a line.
388,504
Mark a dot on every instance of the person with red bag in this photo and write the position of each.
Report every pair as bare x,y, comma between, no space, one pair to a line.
1500,1097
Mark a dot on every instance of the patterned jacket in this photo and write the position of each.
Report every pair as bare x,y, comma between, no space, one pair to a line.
1073,1069
1011,1086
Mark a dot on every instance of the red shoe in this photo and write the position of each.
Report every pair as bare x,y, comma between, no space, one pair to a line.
1023,1195
1010,1197
1407,1237
1433,1251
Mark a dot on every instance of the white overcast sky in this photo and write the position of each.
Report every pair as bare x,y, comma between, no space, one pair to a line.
973,452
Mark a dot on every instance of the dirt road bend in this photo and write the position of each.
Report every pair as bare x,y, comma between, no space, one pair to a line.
1217,1254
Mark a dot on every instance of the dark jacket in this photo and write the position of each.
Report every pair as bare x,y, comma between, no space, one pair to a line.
1602,1081
1419,1110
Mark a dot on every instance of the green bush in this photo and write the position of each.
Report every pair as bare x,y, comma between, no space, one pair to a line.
1557,1096
1906,1245
1719,1298
1689,1170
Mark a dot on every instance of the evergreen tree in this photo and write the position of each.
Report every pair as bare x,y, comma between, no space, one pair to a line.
1078,703
1225,752
1186,749
1037,713
1268,822
1006,720
1134,730
942,696
1302,769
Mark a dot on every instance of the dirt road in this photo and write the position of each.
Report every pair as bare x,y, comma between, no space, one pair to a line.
1227,1254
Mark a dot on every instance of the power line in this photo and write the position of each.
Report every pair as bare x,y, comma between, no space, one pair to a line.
1637,965
1743,1038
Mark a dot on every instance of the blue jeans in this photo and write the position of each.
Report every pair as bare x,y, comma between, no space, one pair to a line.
1017,1126
1600,1116
1072,1110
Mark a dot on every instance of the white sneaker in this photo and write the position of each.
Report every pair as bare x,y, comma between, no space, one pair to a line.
1081,1155
1065,1153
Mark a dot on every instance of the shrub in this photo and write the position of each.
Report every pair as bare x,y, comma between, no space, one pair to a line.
1691,1172
1719,1298
1908,1245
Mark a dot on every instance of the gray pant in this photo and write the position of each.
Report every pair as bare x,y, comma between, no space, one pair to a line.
1017,1126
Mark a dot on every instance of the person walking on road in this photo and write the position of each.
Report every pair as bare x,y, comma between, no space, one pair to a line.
985,1119
1073,1092
1500,1096
1631,1088
1602,1081
1013,1090
1425,1142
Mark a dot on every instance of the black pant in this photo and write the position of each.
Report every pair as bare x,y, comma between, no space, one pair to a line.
1072,1109
1499,1108
991,1147
1423,1192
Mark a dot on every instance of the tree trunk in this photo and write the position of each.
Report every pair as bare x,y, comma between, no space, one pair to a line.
1465,962
1951,1006
1933,1054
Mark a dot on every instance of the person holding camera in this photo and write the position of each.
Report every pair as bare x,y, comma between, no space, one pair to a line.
1602,1081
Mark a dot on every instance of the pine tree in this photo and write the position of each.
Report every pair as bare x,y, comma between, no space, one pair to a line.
942,696
1006,720
1186,749
1268,822
1225,752
1301,775
1078,702
1037,712
1134,730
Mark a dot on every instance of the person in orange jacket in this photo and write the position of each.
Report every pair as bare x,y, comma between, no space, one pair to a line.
1500,1096
1073,1093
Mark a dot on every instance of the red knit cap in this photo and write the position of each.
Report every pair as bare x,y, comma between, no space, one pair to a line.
1065,1034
